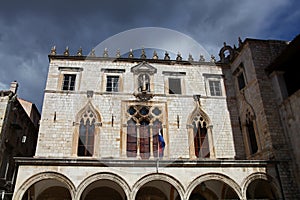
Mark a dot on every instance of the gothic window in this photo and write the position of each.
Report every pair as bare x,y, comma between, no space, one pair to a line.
200,137
144,83
174,86
86,134
251,134
69,82
241,81
215,88
240,75
112,83
143,138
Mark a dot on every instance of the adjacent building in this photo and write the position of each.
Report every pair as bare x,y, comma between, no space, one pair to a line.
166,128
19,124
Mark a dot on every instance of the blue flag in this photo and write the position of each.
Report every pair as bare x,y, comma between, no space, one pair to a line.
162,144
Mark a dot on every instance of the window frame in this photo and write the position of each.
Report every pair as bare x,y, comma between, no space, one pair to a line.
67,82
171,89
212,88
215,78
76,71
174,75
249,121
240,75
112,83
106,72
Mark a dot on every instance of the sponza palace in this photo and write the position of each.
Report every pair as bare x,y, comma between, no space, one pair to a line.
134,127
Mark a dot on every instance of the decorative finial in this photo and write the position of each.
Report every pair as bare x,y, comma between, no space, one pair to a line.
179,58
240,41
105,52
202,59
143,56
66,53
190,59
130,54
224,44
155,56
118,54
93,53
53,50
167,57
79,52
213,58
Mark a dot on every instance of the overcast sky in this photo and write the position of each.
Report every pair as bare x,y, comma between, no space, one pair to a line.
28,29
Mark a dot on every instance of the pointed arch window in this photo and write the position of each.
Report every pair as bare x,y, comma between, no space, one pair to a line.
201,142
86,134
251,134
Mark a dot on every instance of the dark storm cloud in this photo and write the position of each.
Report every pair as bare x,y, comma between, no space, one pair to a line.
28,29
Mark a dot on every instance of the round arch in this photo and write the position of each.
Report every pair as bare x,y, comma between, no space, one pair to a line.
119,181
266,179
158,177
213,177
60,178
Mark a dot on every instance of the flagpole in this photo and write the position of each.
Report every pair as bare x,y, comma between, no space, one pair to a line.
157,160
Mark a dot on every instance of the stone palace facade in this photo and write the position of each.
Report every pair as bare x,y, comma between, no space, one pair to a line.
103,116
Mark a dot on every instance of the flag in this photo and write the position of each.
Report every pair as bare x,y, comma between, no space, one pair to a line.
162,144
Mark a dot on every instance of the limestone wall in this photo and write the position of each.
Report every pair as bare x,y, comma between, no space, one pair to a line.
58,122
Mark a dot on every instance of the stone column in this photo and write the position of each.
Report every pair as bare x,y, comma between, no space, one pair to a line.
191,141
138,141
151,141
211,142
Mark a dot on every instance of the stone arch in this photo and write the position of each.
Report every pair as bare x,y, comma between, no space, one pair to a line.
213,177
45,176
90,106
96,123
250,131
103,176
223,57
260,176
198,112
158,177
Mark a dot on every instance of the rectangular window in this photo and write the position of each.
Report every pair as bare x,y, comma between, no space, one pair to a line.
241,81
69,82
174,86
215,88
112,83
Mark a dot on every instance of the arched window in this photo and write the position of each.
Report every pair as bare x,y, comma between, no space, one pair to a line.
86,134
200,137
143,129
253,147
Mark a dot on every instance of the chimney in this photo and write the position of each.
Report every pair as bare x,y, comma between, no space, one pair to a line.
14,86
